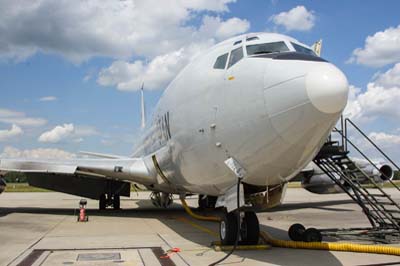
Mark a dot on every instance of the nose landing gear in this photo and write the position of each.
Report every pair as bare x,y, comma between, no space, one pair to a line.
249,228
207,202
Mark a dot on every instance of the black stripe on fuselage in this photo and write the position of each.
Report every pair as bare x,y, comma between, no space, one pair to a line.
290,56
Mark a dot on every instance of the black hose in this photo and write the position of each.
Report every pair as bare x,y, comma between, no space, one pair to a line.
238,227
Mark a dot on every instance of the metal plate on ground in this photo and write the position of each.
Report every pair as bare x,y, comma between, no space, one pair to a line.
146,256
98,256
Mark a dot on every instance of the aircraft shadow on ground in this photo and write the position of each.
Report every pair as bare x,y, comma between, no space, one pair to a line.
325,205
168,217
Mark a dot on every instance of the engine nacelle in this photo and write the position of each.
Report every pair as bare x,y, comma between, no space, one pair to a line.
2,185
385,173
316,181
320,184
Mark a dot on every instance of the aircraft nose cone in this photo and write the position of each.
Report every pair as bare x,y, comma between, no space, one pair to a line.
327,88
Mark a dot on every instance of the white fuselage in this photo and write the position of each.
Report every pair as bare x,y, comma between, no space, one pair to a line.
271,114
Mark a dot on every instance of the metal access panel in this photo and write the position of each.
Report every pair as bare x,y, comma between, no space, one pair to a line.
83,186
98,256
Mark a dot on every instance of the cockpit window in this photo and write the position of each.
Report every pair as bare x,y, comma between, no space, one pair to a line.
220,63
267,48
236,55
302,49
251,39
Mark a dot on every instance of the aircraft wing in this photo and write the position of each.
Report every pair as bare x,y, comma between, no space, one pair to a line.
70,176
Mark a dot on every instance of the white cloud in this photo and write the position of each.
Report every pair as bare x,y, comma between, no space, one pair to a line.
376,101
40,153
214,27
383,138
380,99
353,108
48,99
390,78
57,134
298,18
79,30
157,73
10,133
68,132
19,118
380,49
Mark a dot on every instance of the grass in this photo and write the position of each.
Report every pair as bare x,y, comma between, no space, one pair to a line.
23,187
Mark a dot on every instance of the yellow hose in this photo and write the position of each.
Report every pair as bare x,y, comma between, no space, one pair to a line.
196,216
341,246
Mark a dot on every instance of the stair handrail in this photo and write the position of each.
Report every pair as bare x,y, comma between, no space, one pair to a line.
347,120
363,154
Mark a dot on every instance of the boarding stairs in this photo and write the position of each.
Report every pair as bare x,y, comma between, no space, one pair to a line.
374,197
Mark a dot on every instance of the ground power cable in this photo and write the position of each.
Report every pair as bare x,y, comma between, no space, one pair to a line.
238,226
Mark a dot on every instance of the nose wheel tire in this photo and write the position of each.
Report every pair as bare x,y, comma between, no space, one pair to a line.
250,229
228,228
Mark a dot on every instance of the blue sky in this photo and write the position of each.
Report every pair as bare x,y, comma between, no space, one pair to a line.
71,70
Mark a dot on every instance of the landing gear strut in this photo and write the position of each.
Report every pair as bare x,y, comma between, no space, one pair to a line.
112,200
249,228
207,202
161,199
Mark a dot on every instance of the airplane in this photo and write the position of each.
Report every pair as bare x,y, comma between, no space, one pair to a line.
316,181
235,125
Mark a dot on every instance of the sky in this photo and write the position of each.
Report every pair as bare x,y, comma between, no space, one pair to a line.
70,71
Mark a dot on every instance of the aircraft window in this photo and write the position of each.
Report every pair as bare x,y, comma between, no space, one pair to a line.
267,48
302,49
220,63
236,55
251,38
237,42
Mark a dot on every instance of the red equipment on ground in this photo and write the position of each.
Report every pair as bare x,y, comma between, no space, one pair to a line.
82,217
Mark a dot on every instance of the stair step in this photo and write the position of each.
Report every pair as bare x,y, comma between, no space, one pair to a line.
386,210
380,203
331,143
379,195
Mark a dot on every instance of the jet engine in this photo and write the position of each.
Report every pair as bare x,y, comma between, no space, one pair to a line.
384,174
2,185
316,181
320,184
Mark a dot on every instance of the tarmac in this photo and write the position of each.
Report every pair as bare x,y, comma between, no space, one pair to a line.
42,229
